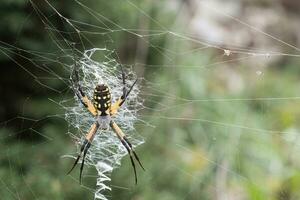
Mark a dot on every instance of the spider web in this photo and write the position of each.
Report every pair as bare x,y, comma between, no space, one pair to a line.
219,144
106,152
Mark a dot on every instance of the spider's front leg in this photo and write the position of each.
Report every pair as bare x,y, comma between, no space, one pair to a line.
84,148
115,107
80,94
128,147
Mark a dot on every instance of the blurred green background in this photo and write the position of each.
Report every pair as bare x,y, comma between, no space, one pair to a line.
224,125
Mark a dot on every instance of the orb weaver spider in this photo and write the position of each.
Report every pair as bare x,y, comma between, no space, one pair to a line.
103,111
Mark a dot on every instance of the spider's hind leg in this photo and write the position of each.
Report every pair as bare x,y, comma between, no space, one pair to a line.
135,155
83,147
131,159
128,147
83,159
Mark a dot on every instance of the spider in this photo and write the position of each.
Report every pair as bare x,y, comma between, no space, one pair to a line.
103,111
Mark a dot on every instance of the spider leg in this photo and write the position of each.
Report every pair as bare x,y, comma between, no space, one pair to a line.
131,159
125,92
128,147
115,107
84,148
79,92
75,82
124,80
135,155
83,159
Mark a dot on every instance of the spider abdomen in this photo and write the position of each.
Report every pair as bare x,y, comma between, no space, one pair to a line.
102,99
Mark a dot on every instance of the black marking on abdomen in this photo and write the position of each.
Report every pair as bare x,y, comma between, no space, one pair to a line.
102,99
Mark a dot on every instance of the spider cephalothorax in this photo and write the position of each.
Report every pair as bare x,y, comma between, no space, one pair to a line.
103,110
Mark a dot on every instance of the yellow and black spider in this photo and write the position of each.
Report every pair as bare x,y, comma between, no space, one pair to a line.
103,111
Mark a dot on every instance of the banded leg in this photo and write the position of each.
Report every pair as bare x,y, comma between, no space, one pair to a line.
115,107
79,92
128,147
84,148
